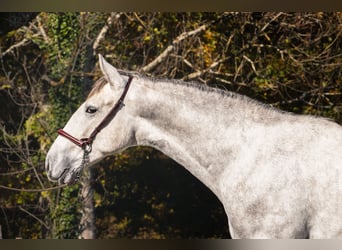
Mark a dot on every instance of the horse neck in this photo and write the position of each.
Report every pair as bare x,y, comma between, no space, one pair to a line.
192,126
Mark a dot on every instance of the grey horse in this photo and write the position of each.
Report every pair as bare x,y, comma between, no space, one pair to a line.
277,174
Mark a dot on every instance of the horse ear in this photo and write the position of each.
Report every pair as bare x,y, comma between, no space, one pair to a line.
111,74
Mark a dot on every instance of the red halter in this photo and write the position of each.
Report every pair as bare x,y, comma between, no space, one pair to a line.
85,143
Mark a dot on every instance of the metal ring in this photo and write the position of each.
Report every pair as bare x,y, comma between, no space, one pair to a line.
87,148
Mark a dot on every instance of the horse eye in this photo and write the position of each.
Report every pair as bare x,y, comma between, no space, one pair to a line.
91,109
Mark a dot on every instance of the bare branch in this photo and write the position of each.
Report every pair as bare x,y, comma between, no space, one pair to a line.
104,30
251,62
171,47
42,31
201,72
16,172
32,190
23,42
35,217
273,19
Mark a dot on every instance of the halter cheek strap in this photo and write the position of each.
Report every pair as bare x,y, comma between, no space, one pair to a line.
85,143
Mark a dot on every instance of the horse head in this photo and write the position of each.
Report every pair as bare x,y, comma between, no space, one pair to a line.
102,123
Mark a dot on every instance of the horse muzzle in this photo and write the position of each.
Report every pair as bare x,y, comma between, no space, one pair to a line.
66,175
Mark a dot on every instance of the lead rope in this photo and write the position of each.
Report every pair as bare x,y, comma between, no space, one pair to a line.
76,172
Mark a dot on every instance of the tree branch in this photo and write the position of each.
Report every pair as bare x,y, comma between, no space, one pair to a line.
171,47
32,190
251,62
16,172
35,217
103,31
272,20
17,45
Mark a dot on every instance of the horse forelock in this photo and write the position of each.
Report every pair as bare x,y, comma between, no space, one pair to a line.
98,85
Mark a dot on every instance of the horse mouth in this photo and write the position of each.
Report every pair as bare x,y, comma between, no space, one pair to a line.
70,176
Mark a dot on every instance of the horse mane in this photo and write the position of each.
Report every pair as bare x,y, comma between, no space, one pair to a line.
101,82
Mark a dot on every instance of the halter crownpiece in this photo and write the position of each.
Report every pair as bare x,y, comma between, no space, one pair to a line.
86,143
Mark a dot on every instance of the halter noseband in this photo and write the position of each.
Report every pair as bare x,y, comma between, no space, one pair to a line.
86,143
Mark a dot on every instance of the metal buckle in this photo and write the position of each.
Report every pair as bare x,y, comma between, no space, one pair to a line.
86,145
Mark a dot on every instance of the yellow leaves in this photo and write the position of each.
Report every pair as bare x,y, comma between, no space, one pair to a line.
44,194
5,83
5,86
154,35
36,126
147,38
209,47
140,28
123,224
156,31
28,178
148,218
98,200
320,15
103,182
20,200
264,84
160,206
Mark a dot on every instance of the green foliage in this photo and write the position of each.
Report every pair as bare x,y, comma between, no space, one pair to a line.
62,30
65,214
64,99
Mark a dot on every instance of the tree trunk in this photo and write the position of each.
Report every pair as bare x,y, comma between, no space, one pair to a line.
87,223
